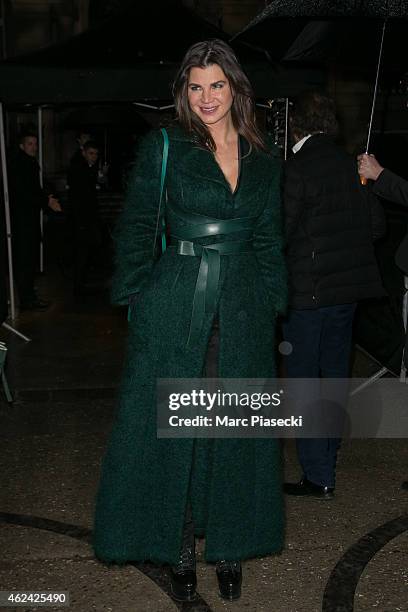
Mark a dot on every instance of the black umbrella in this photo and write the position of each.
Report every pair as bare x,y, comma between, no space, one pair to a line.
332,8
324,31
350,33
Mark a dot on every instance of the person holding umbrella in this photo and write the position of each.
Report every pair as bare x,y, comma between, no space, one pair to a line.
390,186
208,306
386,184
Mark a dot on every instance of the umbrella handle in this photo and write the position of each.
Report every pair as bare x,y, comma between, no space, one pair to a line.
363,179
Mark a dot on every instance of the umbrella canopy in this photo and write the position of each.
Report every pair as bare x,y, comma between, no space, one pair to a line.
352,43
332,8
324,31
352,33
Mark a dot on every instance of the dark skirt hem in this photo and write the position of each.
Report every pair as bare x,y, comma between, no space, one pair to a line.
158,559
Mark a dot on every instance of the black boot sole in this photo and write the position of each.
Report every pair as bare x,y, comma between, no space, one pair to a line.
230,597
229,592
185,596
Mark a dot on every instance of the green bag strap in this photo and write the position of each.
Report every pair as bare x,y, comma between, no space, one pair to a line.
160,217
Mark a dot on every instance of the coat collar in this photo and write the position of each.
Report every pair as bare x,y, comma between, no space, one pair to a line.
196,161
313,141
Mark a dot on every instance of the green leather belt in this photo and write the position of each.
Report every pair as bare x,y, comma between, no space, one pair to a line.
185,228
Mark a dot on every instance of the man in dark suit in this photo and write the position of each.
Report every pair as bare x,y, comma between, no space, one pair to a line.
394,188
82,181
331,223
27,198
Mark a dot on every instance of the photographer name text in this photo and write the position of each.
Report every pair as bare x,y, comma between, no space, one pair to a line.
226,421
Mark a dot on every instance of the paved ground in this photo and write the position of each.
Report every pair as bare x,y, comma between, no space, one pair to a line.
347,554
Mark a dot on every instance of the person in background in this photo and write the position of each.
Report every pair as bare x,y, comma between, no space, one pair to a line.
331,224
386,184
82,182
81,139
27,198
392,187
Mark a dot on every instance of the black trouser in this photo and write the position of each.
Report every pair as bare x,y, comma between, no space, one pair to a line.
82,254
87,244
26,246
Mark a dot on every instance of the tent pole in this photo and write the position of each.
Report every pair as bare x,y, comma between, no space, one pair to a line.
154,107
15,331
41,160
105,161
7,213
8,227
286,127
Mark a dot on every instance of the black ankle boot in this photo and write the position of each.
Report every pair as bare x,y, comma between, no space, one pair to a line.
183,575
229,574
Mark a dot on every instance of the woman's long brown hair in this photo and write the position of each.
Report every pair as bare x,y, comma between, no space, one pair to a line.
205,54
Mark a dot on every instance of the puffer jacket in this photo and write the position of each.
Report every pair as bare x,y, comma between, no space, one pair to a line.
331,224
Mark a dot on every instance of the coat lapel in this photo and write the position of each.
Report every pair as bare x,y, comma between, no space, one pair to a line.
256,172
201,165
195,161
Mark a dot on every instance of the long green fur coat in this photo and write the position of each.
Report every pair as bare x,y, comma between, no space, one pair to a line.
234,485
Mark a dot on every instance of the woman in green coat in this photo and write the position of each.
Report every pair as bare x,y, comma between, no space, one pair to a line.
156,494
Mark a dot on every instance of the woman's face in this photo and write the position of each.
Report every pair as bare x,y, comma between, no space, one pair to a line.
209,94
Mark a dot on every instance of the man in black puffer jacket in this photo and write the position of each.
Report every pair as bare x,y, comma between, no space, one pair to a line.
331,224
